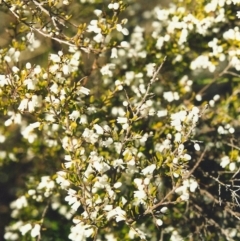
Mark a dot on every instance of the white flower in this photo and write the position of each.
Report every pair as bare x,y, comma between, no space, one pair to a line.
142,139
4,80
164,209
150,69
149,169
187,157
74,115
180,148
231,130
66,69
90,136
232,166
203,62
171,96
83,119
225,161
124,44
33,43
146,181
54,68
98,163
37,100
84,90
159,222
54,88
118,163
107,142
69,163
198,97
140,197
118,147
175,160
122,120
35,124
138,182
55,58
125,126
26,228
193,115
178,137
31,192
2,138
124,31
28,133
80,231
238,14
7,58
118,213
197,147
114,6
192,185
117,185
65,2
98,38
108,207
91,110
98,129
107,69
36,230
177,119
15,69
15,118
93,27
30,83
23,105
46,182
175,236
114,53
31,106
162,113
28,65
136,232
182,190
72,199
61,179
102,182
97,12
37,70
183,37
221,130
20,203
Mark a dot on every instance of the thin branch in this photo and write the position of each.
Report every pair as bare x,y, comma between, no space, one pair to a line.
42,218
47,35
225,71
173,190
153,79
206,193
211,221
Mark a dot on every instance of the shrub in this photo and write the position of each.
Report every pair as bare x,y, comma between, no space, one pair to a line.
120,122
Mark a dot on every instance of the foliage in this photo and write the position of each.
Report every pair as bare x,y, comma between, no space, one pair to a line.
118,127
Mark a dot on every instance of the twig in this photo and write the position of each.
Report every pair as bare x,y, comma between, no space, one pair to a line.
153,79
206,193
225,71
173,190
214,223
42,218
61,41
